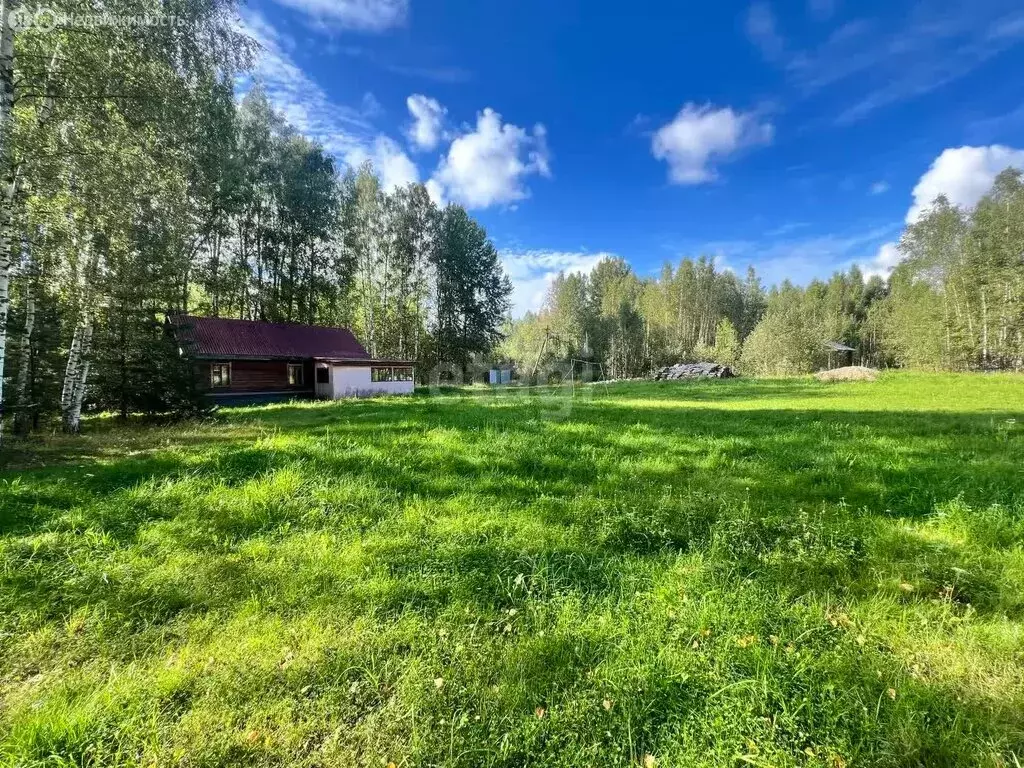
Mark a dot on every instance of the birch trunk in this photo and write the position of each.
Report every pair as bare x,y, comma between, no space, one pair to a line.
73,419
76,373
7,7
984,327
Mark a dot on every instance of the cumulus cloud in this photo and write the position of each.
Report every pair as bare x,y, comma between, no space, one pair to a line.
533,271
963,175
435,191
362,15
389,161
428,120
488,165
885,260
701,135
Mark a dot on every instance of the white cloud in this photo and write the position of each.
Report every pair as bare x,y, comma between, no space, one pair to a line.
532,273
885,260
346,132
935,44
763,31
363,15
304,104
389,161
435,191
963,175
488,165
799,259
879,188
698,136
428,119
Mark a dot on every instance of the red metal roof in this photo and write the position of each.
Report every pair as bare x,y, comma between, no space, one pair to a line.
221,337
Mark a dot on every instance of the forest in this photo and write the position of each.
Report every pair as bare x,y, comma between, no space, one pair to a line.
135,191
955,302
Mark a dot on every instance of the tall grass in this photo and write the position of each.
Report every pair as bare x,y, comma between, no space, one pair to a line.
674,574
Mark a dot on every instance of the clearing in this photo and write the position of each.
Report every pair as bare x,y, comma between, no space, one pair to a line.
714,573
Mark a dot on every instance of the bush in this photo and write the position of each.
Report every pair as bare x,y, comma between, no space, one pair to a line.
727,344
781,344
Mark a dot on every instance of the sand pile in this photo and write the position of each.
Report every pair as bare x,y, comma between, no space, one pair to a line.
849,373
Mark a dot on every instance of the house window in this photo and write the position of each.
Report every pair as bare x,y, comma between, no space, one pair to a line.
323,375
294,374
381,374
403,374
220,374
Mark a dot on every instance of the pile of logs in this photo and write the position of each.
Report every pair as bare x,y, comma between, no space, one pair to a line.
694,371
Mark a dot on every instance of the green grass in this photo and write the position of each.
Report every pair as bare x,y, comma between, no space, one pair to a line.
764,573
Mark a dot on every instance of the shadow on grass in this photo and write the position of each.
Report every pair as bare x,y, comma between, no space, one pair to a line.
383,509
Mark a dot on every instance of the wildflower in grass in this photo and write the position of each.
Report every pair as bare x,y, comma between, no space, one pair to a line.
607,704
439,682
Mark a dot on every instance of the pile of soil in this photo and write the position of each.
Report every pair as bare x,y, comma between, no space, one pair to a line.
849,373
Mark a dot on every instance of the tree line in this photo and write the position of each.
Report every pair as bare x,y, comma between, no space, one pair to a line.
136,185
954,302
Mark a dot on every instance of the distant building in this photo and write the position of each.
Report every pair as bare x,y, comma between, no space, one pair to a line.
247,361
500,376
839,355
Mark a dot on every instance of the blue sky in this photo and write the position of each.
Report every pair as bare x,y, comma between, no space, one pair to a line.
796,136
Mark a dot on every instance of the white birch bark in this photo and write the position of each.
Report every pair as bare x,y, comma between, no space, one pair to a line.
73,419
76,372
7,167
71,372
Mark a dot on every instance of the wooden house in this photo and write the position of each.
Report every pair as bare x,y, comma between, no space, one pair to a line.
247,361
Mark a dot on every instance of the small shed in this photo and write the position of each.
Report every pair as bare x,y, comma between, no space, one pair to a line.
499,376
839,355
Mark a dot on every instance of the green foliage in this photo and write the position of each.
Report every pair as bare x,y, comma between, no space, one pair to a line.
787,341
213,208
957,300
752,572
631,325
727,344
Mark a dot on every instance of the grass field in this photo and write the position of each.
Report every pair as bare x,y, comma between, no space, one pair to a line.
764,573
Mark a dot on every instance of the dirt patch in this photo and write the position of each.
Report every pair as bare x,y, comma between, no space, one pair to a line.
849,373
